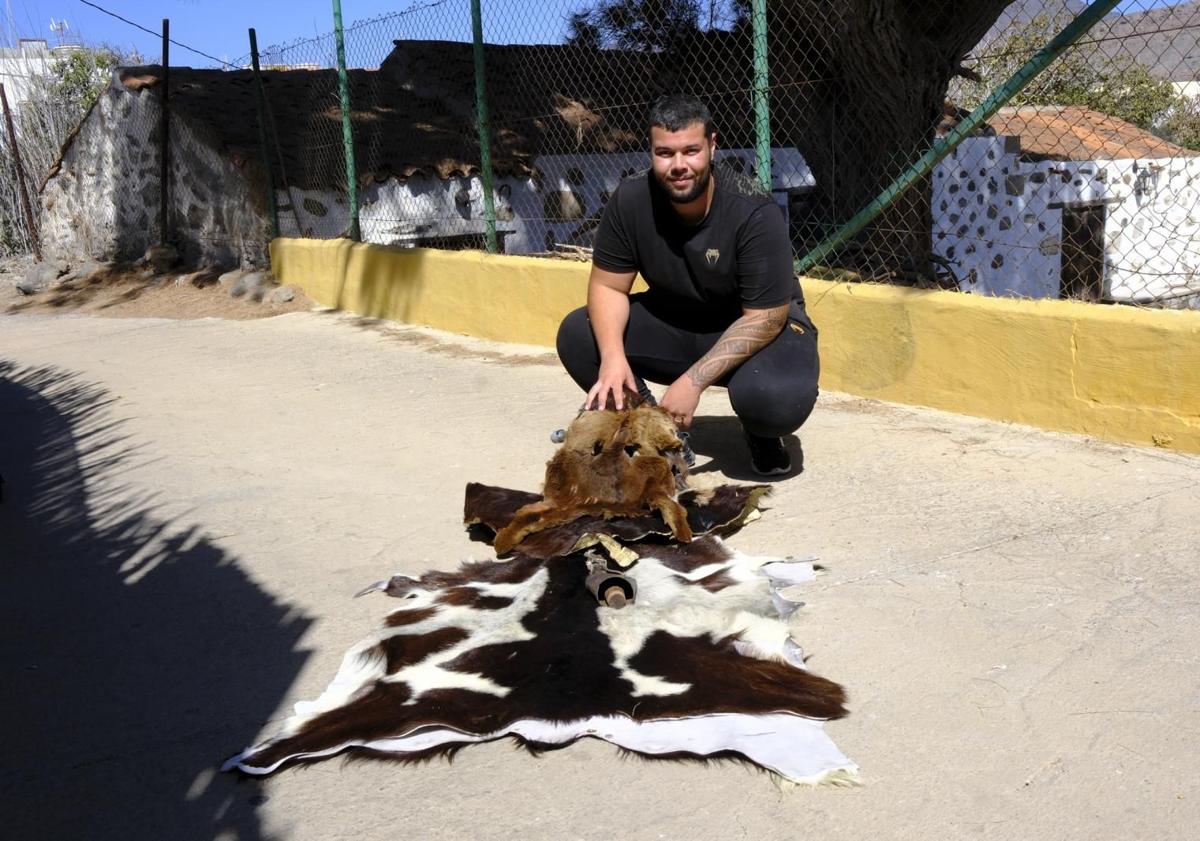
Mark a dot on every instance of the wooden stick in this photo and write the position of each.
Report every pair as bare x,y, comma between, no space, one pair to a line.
614,597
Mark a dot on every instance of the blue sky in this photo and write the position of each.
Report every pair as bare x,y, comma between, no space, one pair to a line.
218,27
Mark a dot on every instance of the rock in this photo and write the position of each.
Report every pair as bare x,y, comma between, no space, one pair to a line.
16,265
253,285
38,278
90,267
161,258
66,280
199,279
283,295
81,271
228,279
205,277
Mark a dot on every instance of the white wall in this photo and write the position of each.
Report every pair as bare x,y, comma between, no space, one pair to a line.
993,216
18,66
559,206
1191,89
1153,231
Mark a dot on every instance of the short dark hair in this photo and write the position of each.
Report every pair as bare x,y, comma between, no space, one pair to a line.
677,111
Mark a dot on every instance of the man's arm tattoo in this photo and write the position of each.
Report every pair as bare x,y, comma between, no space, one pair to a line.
744,338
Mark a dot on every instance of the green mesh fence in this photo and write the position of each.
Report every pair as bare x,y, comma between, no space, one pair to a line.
1086,185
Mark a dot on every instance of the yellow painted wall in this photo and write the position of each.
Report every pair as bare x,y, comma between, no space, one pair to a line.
1116,373
507,299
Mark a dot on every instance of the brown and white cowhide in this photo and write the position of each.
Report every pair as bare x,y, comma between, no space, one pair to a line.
702,664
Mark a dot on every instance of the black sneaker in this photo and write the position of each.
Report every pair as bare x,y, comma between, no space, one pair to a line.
644,391
768,456
689,457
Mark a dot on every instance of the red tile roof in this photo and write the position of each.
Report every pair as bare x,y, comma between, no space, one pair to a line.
1074,133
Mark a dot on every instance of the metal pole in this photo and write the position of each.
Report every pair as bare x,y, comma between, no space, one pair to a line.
1047,54
347,134
16,153
762,112
259,108
287,188
164,156
485,132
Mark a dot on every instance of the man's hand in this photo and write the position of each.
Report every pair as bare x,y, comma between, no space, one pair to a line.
615,376
681,400
608,312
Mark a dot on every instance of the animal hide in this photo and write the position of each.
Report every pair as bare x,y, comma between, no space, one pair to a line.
723,509
611,464
703,664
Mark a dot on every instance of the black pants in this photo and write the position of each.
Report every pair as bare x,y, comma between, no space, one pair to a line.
772,392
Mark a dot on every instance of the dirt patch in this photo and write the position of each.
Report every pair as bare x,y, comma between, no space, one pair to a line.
135,293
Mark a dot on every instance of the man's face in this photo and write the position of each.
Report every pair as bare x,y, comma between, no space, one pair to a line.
682,160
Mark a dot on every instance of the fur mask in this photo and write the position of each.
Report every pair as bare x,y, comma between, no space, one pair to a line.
611,464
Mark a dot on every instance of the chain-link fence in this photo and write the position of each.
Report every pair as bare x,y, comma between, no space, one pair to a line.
1085,184
41,88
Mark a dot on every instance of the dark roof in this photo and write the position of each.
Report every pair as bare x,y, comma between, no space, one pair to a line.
397,132
416,114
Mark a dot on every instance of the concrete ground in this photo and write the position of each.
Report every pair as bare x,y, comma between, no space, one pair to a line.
190,505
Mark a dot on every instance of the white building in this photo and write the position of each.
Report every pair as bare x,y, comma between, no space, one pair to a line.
1188,89
1067,202
23,65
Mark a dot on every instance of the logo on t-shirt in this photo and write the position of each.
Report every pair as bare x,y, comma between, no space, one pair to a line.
712,256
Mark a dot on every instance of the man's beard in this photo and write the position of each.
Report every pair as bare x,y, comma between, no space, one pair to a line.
699,185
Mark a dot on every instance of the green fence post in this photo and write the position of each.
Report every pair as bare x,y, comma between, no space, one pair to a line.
485,132
164,139
762,111
1088,18
259,108
347,134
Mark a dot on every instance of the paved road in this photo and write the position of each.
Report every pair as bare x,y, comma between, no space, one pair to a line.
190,504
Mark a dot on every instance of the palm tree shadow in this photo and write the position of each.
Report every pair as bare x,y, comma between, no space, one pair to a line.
721,440
137,653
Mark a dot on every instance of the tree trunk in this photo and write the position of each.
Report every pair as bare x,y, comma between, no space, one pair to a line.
858,87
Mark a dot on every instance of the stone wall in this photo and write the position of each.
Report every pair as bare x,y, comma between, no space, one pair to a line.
103,202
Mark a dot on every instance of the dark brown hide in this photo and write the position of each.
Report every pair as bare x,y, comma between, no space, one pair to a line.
718,511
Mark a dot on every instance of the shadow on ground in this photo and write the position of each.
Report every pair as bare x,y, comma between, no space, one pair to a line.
721,439
83,290
136,654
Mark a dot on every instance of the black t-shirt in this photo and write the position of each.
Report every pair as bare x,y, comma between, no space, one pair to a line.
700,276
